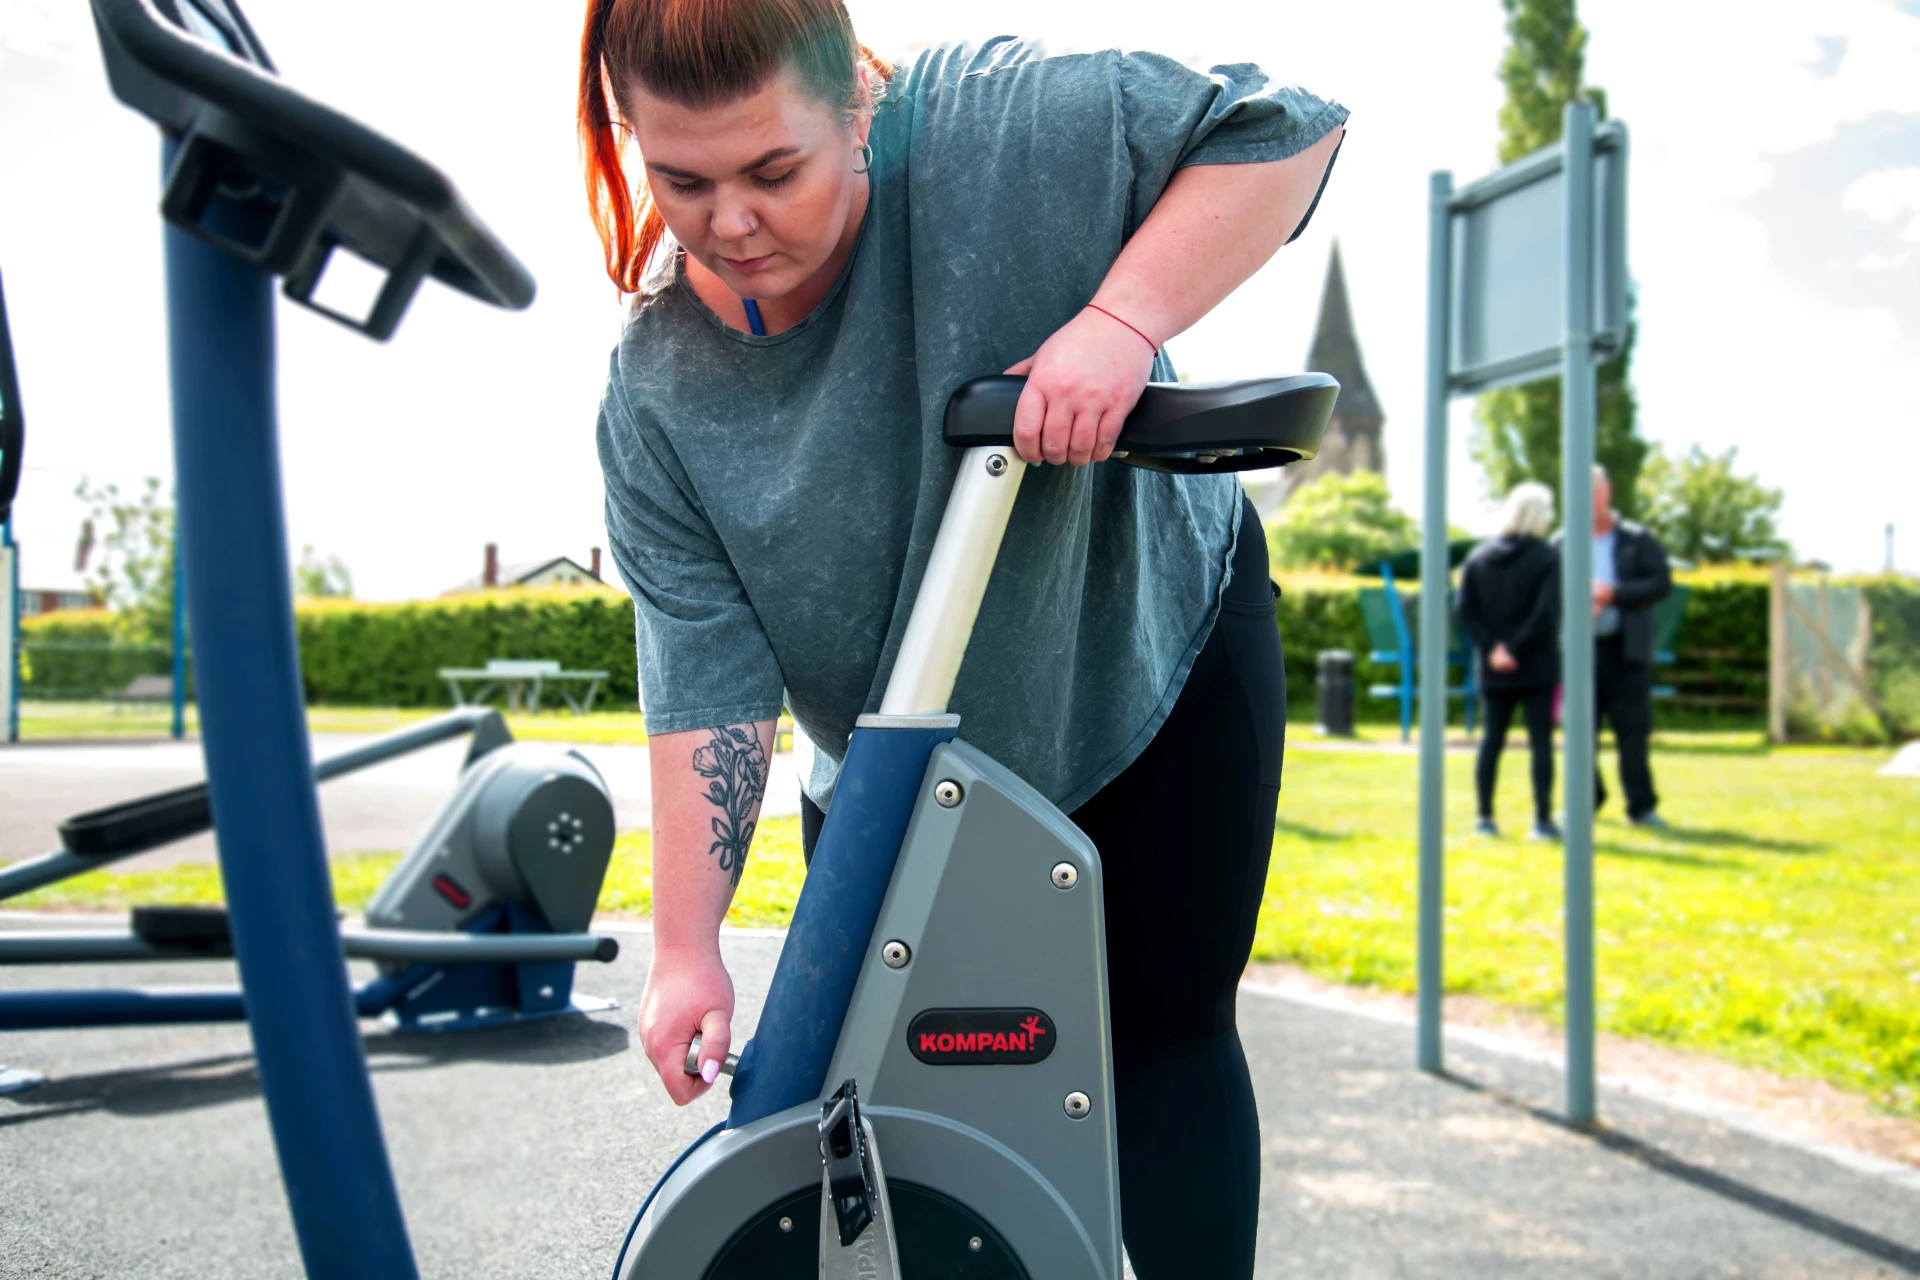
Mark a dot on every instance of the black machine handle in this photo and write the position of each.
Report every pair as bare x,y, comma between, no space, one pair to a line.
13,422
134,826
1186,427
285,182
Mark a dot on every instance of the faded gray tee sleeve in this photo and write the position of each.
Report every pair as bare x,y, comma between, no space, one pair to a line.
703,655
1230,114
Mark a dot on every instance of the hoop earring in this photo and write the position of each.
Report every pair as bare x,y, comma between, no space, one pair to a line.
866,158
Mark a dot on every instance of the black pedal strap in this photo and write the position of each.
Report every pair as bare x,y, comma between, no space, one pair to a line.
849,1173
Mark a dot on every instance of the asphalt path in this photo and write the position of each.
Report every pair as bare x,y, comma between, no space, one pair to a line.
525,1152
385,807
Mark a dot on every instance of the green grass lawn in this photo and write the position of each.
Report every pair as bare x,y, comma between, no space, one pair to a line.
1777,923
65,721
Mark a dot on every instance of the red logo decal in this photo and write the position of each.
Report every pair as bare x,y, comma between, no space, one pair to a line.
980,1037
450,889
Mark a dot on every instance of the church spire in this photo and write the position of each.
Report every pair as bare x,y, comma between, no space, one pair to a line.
1337,351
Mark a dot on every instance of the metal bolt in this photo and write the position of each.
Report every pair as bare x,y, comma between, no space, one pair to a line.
974,1244
1078,1105
996,464
948,793
1065,875
546,993
786,1224
896,954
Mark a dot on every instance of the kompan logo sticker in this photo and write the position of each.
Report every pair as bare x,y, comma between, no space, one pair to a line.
981,1037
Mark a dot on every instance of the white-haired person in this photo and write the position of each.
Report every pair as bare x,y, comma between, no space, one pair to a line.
1509,605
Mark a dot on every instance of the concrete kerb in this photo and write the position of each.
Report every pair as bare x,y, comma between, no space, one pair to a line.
1693,1104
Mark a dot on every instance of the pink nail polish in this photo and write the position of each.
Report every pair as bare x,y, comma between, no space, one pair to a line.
710,1071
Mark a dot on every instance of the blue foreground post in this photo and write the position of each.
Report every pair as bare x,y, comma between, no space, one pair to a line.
313,1075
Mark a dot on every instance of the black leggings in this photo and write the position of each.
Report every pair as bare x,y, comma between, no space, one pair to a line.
1184,835
1538,704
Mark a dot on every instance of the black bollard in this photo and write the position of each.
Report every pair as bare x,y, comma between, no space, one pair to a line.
1336,693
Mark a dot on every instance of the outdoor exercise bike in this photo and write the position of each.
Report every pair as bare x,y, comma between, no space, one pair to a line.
949,906
261,183
941,996
479,925
483,921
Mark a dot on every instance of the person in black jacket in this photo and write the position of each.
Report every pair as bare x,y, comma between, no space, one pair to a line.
1509,606
1630,576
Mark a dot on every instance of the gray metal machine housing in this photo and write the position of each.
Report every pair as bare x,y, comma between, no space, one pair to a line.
527,825
978,901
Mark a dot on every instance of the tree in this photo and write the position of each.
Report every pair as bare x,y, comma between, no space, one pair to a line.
316,577
134,572
1519,427
1340,521
1705,513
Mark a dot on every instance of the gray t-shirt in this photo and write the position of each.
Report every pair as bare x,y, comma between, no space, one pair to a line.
771,501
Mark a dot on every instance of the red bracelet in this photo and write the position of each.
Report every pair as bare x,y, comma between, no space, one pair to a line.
1094,306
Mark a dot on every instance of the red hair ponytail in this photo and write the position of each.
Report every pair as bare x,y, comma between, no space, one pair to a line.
697,52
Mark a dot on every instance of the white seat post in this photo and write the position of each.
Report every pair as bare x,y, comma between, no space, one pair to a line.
955,582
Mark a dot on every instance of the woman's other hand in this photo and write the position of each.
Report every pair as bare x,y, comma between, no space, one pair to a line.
1502,659
1081,385
688,993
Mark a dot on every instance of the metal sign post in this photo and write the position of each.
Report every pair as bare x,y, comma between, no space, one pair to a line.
1433,629
1526,277
1576,582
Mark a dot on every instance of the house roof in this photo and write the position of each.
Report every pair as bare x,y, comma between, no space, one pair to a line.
513,575
1336,349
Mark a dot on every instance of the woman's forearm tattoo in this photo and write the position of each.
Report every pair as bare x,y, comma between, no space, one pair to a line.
735,766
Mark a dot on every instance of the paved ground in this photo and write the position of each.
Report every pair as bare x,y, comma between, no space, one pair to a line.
524,1154
385,807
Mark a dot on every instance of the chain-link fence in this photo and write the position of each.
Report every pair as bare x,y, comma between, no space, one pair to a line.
92,688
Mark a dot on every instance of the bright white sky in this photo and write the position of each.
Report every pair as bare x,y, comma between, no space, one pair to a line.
1775,243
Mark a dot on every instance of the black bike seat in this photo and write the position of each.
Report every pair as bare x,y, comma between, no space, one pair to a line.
1189,427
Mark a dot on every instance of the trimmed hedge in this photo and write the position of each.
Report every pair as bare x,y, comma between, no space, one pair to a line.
391,654
1719,674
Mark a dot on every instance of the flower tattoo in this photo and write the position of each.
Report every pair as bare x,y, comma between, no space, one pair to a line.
735,765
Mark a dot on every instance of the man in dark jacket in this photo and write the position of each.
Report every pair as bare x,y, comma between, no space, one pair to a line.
1630,576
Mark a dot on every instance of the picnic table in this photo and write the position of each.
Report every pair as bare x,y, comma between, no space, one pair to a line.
522,681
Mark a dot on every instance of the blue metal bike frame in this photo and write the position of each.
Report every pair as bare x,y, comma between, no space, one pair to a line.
313,1074
785,1064
135,1006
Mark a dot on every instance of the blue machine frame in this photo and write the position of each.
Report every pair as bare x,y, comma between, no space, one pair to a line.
232,530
